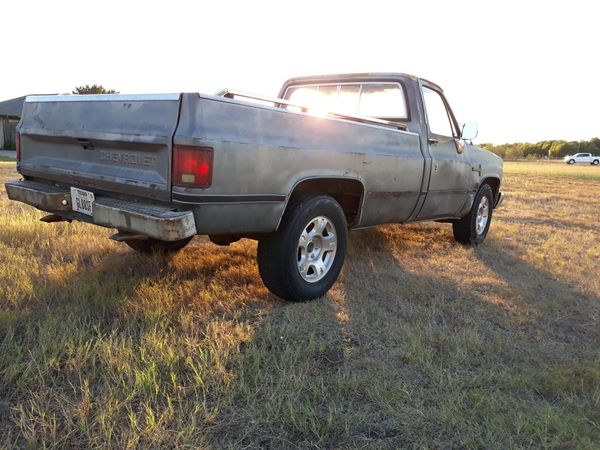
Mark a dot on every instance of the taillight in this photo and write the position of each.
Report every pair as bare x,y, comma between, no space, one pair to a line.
18,146
192,166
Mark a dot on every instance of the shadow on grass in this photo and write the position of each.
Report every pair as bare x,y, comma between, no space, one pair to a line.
390,358
393,358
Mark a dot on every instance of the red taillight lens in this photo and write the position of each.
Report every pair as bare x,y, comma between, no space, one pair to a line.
192,166
18,146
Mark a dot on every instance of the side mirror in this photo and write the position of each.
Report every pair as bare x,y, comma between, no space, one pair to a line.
469,131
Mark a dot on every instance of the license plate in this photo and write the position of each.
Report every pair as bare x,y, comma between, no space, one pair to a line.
82,201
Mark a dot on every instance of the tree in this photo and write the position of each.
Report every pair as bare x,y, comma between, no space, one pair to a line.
554,149
93,89
514,151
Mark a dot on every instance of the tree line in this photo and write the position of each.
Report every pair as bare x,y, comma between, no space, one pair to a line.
87,89
551,149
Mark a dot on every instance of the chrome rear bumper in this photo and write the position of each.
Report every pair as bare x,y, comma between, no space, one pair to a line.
159,222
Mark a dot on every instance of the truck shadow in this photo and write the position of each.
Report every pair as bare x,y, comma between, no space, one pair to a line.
115,287
395,351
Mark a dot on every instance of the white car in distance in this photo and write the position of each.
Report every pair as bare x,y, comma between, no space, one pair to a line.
582,158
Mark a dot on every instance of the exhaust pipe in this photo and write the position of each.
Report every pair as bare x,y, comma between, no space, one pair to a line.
127,236
51,218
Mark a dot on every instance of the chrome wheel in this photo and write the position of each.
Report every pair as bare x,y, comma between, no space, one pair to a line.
483,212
317,246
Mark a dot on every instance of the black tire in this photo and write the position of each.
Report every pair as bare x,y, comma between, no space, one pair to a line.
596,162
278,252
571,161
151,245
465,229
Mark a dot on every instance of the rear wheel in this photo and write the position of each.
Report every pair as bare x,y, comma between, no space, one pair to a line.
303,258
473,228
151,245
596,162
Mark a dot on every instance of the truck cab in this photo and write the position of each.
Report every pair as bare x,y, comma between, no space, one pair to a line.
453,168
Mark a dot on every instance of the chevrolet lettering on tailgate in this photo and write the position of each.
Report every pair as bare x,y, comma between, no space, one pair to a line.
127,158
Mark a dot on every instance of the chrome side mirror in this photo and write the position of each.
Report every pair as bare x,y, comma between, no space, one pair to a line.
469,131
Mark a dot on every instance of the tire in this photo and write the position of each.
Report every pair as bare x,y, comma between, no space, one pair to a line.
470,229
571,161
298,245
151,245
596,162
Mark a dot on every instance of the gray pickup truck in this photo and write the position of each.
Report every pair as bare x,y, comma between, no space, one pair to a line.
330,153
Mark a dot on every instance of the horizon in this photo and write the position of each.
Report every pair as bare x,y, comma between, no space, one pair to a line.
504,67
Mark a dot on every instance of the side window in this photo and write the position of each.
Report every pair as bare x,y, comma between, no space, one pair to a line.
437,115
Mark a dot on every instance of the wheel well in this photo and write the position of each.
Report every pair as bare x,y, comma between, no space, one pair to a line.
494,183
347,192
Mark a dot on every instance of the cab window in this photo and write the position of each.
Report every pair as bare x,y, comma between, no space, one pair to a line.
438,119
379,100
382,100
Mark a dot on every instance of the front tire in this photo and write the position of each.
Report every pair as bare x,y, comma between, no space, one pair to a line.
571,161
151,245
473,228
304,257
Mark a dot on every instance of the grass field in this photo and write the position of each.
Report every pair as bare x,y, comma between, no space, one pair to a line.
553,169
422,343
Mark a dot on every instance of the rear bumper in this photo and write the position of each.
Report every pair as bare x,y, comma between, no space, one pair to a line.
159,222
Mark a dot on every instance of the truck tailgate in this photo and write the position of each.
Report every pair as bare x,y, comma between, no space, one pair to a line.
118,143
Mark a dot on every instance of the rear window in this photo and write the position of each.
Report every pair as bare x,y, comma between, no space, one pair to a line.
379,100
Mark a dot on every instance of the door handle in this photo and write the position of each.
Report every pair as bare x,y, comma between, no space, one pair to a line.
433,141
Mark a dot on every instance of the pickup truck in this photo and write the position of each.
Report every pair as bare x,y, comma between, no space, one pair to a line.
582,158
295,172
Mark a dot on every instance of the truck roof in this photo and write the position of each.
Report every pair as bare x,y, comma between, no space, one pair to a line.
347,77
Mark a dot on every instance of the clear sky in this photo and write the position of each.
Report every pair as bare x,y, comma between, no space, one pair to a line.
523,70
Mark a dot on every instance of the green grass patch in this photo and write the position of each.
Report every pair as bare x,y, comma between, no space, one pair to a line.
552,169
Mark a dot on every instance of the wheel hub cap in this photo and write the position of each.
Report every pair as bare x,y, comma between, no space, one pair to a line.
483,212
317,246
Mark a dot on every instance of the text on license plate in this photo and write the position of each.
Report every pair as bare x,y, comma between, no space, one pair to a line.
82,201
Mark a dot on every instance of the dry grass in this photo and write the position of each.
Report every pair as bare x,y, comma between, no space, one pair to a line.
422,343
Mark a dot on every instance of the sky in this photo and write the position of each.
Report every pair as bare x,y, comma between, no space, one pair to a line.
524,71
